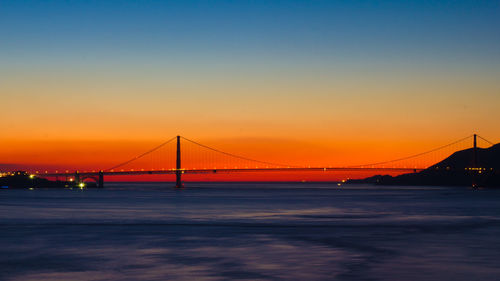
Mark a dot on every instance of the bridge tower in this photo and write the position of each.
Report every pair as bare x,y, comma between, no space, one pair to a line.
474,152
178,172
77,177
100,183
475,173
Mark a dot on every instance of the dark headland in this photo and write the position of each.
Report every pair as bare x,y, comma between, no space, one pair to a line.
458,169
21,179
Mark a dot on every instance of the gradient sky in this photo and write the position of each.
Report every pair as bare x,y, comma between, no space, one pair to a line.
372,79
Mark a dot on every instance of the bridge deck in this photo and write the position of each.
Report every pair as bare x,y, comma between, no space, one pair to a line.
231,170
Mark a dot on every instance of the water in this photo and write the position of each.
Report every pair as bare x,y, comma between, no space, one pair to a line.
229,231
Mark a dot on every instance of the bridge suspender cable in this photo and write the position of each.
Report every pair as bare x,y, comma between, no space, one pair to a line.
141,155
240,157
282,165
486,140
412,156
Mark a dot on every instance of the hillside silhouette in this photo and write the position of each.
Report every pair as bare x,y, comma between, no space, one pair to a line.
456,170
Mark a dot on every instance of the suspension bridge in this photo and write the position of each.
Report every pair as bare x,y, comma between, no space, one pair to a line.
180,156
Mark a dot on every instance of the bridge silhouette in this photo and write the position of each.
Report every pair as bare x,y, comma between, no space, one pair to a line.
169,159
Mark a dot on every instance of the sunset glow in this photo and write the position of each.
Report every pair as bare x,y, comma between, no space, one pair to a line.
84,87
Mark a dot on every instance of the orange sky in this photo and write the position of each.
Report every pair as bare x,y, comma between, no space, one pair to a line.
85,121
71,155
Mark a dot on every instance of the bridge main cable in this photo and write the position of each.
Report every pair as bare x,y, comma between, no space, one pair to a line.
142,155
486,140
412,156
240,157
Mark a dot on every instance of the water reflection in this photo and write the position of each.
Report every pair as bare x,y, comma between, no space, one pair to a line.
227,233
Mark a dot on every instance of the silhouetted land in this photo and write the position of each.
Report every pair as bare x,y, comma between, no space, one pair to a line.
21,179
455,170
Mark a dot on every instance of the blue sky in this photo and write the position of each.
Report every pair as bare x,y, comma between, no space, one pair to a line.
190,30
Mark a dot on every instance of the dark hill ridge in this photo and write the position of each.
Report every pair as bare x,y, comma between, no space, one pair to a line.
452,171
486,158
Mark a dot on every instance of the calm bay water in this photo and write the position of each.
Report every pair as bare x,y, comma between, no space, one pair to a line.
228,231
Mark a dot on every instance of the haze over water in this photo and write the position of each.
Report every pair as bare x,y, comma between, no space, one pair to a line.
256,231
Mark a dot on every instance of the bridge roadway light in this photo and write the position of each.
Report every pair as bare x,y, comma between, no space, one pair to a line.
81,185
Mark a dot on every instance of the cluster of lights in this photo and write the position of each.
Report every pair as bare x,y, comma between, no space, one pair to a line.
342,182
31,176
478,169
447,168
